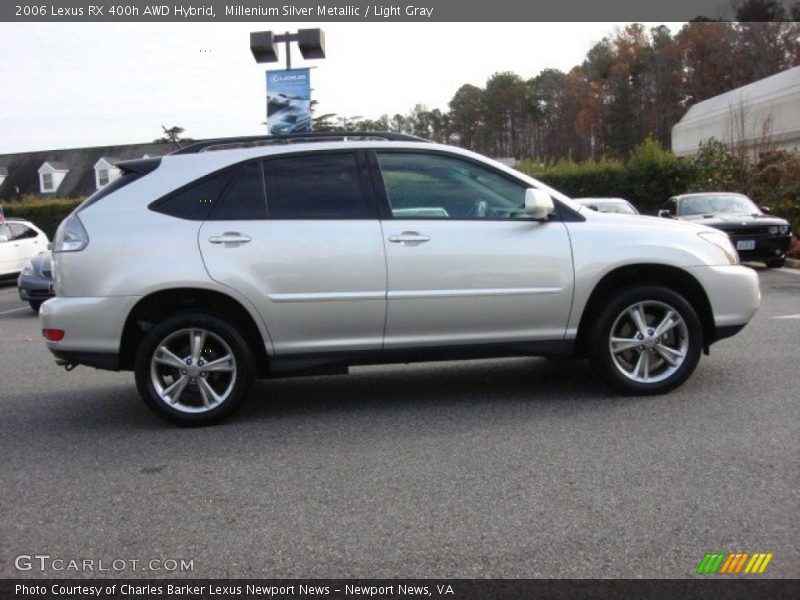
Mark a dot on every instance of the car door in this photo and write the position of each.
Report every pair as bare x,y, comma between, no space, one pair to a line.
466,265
299,236
27,243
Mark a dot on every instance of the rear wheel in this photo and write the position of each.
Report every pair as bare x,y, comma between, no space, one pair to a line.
647,340
194,369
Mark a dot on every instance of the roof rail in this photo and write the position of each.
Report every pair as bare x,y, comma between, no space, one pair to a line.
294,138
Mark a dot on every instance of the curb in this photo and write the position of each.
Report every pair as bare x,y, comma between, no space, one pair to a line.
792,263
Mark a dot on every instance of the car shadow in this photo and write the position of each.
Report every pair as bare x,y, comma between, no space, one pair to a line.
439,385
387,392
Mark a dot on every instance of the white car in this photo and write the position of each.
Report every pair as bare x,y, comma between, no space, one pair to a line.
19,242
608,205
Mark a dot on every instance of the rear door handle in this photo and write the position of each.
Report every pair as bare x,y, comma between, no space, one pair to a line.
410,238
230,238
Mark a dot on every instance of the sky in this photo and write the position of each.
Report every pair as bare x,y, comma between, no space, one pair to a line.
68,85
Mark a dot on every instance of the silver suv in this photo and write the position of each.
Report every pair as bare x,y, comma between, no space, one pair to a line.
238,258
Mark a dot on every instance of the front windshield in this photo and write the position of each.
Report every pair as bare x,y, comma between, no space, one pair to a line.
708,205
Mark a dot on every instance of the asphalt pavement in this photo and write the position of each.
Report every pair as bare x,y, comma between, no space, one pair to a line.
493,468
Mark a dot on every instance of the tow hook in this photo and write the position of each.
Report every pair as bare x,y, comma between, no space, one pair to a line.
61,362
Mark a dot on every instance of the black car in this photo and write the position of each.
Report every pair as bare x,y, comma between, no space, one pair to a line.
35,282
756,236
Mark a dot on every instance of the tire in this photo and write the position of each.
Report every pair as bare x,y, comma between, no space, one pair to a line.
194,369
776,263
669,358
35,305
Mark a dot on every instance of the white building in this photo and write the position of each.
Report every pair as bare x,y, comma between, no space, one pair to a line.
762,115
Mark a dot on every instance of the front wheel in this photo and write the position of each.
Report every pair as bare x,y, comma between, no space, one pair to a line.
647,340
35,305
194,369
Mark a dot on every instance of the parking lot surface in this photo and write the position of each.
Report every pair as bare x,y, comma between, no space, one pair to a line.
493,468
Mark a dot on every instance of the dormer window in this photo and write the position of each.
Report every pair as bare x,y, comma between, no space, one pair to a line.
105,170
51,174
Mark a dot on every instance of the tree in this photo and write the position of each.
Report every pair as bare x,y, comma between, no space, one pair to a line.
465,115
172,135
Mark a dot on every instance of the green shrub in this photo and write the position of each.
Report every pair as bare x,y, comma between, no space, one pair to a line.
590,178
653,174
774,181
716,169
650,176
45,214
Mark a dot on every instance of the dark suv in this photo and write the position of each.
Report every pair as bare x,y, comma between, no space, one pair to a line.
755,235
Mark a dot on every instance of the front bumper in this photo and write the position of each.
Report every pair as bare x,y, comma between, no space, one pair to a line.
767,247
34,288
91,325
734,294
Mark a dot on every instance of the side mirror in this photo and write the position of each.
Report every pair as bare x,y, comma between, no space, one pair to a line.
538,203
664,214
766,210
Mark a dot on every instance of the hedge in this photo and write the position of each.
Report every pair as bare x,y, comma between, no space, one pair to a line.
45,214
649,178
652,175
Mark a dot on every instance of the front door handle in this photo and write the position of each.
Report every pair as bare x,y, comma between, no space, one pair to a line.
230,238
411,238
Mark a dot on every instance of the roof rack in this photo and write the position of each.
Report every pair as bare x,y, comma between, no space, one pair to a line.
295,138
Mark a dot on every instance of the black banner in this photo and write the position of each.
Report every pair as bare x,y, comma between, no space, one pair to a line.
320,11
396,589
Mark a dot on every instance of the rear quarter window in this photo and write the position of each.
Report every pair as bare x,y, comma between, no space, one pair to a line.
196,200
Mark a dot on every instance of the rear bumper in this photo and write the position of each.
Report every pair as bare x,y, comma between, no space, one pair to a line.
91,325
109,362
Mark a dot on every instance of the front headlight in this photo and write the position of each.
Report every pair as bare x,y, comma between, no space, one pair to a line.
27,269
773,229
723,243
783,229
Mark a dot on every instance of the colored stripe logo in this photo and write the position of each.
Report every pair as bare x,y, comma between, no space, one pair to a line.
733,563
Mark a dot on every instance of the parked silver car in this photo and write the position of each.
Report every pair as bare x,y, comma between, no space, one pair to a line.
256,257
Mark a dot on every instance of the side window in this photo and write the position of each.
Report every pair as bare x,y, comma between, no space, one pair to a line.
432,186
5,233
318,186
244,198
195,201
20,232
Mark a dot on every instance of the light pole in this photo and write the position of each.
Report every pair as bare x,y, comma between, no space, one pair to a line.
264,45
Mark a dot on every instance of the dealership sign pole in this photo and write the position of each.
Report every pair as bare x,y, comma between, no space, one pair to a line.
288,90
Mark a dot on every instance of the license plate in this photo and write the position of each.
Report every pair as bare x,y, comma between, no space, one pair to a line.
746,245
